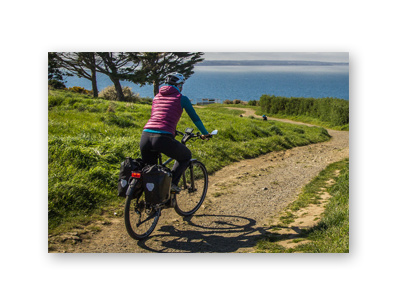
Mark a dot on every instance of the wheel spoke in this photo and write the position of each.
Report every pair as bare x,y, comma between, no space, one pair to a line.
146,220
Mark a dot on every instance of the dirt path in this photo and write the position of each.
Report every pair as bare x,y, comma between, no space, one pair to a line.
250,112
240,200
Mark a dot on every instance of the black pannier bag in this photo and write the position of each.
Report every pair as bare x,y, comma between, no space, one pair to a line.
156,183
128,166
138,187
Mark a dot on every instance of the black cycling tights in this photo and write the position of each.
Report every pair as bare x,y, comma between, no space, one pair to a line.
165,143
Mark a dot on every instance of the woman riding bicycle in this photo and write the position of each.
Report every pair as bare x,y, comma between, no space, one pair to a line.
159,132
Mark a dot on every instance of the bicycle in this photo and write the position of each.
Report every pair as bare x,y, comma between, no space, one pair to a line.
141,217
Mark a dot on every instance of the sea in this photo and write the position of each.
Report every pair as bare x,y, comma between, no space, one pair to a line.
248,82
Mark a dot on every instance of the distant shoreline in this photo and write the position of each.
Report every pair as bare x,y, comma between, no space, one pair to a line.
268,63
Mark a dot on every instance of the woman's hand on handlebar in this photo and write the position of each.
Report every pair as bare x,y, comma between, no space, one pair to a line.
205,136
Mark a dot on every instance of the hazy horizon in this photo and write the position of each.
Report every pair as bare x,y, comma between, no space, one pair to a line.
342,57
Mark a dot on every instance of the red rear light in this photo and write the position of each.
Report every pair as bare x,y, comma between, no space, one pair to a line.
136,175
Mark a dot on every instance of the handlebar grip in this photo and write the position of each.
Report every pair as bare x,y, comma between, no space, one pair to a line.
206,136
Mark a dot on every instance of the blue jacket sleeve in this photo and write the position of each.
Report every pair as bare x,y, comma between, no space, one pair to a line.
185,103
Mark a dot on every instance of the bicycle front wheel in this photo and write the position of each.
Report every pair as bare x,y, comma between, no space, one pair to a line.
140,217
194,184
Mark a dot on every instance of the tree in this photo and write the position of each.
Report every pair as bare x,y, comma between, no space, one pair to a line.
156,65
118,66
81,64
54,67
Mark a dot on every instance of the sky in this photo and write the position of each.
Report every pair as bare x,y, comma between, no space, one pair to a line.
310,56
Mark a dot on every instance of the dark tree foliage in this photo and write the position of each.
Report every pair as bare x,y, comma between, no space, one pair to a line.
56,84
156,65
332,110
81,64
54,68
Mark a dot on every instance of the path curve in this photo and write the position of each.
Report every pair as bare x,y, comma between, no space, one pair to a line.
250,112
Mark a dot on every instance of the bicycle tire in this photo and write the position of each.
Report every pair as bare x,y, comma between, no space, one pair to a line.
140,218
188,201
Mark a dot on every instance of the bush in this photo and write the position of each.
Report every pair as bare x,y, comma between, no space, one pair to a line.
227,101
253,103
80,90
237,101
146,100
55,84
331,110
110,93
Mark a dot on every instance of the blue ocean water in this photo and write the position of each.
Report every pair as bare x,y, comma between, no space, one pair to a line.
250,82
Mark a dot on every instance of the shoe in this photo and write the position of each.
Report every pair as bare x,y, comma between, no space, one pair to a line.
175,189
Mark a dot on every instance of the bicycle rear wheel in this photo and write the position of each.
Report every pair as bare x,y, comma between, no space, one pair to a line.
140,217
194,184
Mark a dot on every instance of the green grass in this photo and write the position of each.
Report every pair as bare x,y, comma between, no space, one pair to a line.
89,138
287,218
331,234
305,119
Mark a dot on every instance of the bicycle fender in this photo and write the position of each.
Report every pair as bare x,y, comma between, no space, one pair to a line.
131,187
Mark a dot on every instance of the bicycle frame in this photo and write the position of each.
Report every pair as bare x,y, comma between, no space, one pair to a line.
183,175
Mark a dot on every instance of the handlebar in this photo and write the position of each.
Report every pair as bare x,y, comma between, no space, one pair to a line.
187,137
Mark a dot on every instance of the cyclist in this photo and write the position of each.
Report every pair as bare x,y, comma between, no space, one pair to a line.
264,117
159,132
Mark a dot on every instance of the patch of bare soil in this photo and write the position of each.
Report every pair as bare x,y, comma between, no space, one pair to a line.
242,197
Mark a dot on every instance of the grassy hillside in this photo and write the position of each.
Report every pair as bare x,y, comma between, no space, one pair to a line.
88,138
